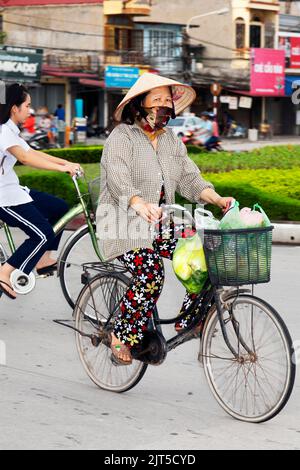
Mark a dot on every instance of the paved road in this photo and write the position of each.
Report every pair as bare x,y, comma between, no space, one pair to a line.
47,401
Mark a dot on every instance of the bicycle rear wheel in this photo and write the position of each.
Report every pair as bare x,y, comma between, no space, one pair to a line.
95,311
76,252
257,385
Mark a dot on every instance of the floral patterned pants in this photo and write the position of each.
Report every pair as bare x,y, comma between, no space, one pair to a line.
147,268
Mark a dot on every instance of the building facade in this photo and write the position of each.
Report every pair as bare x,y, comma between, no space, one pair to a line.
92,49
70,36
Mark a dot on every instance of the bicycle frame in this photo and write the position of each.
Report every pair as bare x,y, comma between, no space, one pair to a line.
79,209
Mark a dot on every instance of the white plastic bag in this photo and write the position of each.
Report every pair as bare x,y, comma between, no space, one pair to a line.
205,220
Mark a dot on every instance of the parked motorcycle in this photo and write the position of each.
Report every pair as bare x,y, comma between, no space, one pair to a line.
236,131
191,138
97,131
40,140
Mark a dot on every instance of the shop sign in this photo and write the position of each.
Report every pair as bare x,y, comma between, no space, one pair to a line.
20,64
245,102
121,77
267,72
290,44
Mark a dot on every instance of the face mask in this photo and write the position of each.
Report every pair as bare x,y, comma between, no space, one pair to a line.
159,119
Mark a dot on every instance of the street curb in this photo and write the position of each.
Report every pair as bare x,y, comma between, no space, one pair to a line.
287,233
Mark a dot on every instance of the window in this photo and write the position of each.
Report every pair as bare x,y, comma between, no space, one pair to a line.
256,33
240,33
269,35
123,39
162,43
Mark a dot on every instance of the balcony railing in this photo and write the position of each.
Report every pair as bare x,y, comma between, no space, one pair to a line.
73,63
139,58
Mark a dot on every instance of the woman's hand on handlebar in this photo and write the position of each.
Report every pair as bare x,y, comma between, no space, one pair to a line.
224,203
148,211
72,168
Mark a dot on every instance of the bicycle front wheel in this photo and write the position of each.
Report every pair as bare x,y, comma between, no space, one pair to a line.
256,385
95,312
78,251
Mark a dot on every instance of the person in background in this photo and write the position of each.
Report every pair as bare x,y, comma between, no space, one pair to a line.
60,112
29,124
215,137
265,129
205,131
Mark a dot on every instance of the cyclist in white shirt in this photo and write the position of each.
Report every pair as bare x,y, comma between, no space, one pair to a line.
32,211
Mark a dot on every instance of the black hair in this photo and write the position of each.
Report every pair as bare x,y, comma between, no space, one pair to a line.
134,110
15,95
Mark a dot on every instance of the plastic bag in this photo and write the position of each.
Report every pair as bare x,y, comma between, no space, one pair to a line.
251,218
266,220
244,218
189,264
232,218
205,220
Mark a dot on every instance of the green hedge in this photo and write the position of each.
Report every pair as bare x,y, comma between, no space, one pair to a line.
58,184
277,191
284,157
79,154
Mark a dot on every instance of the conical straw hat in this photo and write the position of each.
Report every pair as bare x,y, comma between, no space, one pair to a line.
183,95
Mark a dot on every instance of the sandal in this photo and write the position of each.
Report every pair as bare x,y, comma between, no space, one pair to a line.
4,291
118,350
47,269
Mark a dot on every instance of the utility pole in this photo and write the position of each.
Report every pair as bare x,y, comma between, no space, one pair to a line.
186,57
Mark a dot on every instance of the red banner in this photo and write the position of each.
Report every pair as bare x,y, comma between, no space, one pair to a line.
295,53
267,72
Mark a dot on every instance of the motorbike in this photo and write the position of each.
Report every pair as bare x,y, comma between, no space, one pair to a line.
40,140
236,131
191,138
97,131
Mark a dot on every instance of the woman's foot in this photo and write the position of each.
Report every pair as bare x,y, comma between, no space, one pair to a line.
120,352
6,288
47,269
46,262
5,284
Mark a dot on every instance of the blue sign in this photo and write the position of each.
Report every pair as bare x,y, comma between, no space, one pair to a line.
292,83
121,77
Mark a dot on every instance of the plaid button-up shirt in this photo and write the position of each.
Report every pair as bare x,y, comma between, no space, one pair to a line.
130,166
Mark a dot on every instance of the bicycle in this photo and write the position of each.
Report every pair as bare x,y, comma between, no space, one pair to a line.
245,348
79,247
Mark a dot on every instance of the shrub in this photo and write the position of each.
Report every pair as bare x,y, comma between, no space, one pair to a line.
284,157
58,184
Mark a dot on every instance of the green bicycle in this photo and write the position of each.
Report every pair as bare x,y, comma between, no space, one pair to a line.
79,247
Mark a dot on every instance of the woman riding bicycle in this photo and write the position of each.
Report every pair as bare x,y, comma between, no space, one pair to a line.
142,165
32,211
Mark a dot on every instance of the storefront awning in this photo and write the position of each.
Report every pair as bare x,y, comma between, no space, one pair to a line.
289,80
93,83
246,93
57,72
